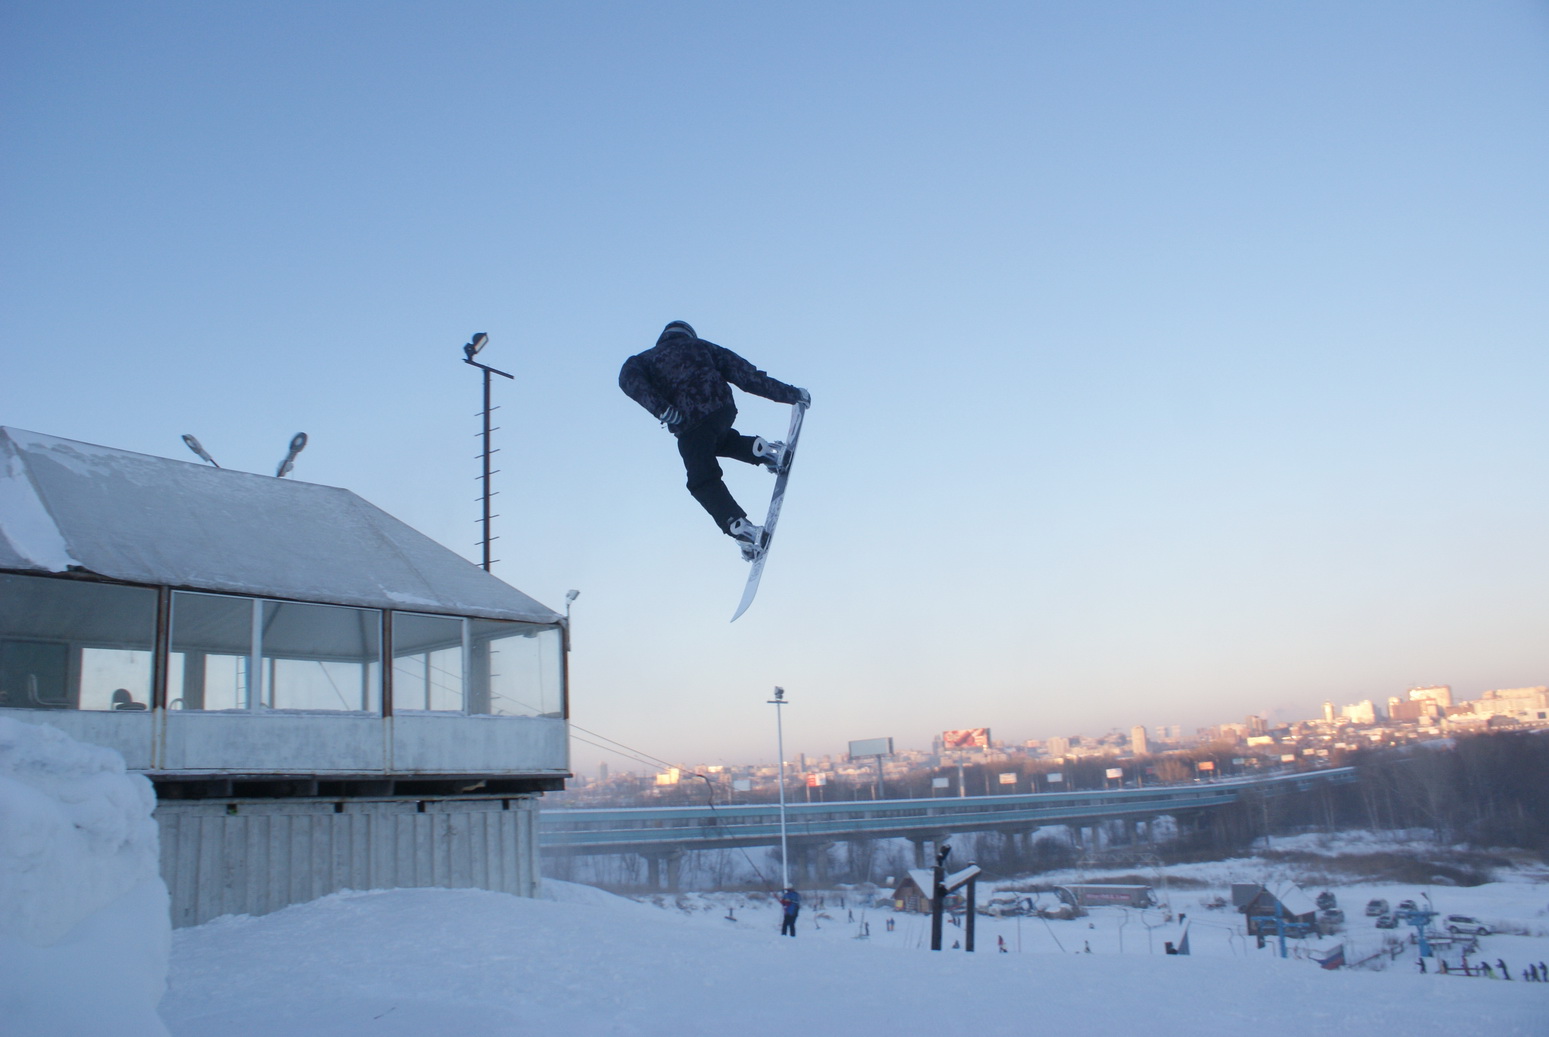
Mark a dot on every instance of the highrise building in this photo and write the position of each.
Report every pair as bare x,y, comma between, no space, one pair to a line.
1137,741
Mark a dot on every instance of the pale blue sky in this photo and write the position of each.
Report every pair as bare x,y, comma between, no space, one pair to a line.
1170,361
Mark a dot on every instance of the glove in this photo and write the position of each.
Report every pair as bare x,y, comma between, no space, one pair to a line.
805,399
671,416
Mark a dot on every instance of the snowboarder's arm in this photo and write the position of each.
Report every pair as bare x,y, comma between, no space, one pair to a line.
750,379
635,380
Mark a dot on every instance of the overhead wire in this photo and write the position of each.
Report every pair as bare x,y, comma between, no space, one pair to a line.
640,756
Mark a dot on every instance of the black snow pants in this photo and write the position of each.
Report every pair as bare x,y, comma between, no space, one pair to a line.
700,446
788,926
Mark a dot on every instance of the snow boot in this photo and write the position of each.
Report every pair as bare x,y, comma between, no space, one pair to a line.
748,536
771,454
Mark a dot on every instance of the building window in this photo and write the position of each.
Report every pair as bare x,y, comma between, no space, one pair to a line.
447,664
243,653
518,666
211,651
70,644
428,653
321,657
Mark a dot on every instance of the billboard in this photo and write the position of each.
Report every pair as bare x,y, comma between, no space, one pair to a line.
1008,778
1115,772
816,781
871,747
967,738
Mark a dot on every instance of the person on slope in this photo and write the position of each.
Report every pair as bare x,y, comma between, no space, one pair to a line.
685,383
790,907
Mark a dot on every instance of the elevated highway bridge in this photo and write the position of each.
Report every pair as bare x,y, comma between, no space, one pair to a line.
663,834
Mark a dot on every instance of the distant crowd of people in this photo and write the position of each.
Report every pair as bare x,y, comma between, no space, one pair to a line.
1538,973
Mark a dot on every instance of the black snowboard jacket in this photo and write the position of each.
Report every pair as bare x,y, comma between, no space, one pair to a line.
692,375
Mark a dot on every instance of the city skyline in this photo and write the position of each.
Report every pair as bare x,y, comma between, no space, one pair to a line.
1166,737
1168,362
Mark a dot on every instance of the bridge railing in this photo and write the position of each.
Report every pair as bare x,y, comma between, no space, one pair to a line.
594,829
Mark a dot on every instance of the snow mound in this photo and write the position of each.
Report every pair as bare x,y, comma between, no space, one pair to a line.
85,931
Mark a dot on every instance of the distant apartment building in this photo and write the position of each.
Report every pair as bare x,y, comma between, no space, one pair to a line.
1441,694
1137,741
1527,705
1256,725
1414,711
1363,712
1056,747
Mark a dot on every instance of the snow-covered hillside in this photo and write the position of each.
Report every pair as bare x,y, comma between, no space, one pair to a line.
85,935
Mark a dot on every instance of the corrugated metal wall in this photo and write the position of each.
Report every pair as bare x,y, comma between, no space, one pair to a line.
222,857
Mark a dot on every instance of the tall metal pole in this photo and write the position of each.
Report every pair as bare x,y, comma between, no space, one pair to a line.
485,455
785,867
478,342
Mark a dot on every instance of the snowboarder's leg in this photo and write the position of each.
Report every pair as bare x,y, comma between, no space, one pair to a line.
699,447
737,447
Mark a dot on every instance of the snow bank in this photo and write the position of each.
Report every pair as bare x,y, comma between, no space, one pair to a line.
85,931
416,962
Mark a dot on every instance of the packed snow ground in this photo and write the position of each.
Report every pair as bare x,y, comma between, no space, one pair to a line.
84,949
84,919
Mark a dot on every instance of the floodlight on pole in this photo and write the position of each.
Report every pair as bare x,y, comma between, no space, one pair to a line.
777,702
298,443
470,350
570,597
198,448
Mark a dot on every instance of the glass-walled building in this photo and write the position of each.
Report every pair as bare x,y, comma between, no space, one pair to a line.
216,624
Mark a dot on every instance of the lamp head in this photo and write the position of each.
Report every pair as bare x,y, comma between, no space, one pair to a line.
478,342
572,595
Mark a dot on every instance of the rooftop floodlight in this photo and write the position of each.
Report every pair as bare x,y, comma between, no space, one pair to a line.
198,448
478,342
298,443
572,595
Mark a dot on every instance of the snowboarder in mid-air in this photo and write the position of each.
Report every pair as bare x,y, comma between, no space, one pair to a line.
685,382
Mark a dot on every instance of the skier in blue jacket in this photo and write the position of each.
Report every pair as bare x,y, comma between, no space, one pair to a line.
790,905
685,382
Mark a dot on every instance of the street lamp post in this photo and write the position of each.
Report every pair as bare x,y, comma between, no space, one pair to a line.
570,597
777,702
470,350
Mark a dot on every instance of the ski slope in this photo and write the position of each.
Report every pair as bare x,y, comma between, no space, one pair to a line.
91,956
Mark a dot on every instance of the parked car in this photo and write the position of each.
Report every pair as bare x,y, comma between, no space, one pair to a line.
1326,901
1459,924
1408,905
1331,916
1387,921
1376,907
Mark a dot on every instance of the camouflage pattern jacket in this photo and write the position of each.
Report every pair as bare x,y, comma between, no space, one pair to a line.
692,375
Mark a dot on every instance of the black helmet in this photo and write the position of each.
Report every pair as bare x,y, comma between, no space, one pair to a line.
678,327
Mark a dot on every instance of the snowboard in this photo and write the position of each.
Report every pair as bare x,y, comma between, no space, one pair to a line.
778,498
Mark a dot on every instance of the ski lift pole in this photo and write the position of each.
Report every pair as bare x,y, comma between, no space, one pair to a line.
938,895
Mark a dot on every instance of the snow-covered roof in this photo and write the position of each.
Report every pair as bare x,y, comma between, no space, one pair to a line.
1293,898
74,507
925,879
